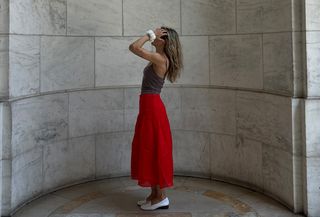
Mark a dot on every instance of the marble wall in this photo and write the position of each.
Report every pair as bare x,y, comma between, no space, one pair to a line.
5,116
5,157
311,152
4,49
236,113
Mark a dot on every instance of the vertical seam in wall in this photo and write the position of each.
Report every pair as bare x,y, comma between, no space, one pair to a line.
292,88
9,110
262,59
303,151
212,59
40,37
122,19
95,155
180,18
209,59
66,17
68,133
68,114
306,62
235,12
180,92
292,15
123,108
235,97
94,61
305,50
42,172
210,158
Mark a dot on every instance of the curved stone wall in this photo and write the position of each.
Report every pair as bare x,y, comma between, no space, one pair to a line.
74,89
226,134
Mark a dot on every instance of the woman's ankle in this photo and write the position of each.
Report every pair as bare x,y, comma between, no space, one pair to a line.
160,196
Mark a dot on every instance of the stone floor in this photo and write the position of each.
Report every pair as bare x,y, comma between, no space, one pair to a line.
116,197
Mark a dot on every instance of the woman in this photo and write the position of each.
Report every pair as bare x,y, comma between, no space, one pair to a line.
151,156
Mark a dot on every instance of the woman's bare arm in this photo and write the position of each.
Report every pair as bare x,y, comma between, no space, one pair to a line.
136,48
154,57
140,42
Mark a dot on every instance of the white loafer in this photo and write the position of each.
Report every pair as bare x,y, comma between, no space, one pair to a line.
164,204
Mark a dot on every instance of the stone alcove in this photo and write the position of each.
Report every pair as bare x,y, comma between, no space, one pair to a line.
244,110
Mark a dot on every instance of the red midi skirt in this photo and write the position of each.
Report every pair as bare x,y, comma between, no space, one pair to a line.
151,149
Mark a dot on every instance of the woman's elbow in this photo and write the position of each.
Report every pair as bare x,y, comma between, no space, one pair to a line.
131,47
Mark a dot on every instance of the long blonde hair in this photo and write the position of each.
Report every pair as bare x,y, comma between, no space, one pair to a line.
173,50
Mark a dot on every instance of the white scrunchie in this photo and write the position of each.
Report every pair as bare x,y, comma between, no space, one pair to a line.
151,35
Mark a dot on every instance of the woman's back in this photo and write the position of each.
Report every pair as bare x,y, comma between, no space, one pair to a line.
151,82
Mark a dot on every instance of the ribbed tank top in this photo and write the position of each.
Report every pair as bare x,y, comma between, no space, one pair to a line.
151,82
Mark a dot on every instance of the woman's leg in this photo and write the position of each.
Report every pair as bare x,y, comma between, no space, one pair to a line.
153,193
159,196
160,193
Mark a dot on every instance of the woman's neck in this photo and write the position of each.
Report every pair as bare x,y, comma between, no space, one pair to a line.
160,50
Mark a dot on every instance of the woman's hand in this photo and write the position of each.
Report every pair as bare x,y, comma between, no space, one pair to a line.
160,32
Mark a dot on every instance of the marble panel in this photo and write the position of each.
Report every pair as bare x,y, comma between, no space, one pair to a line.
312,63
191,153
94,17
196,109
277,62
113,154
39,120
255,16
277,172
1,129
96,111
4,16
236,61
312,8
211,110
172,100
298,186
208,17
195,70
236,158
298,50
5,189
4,67
115,64
24,76
223,107
297,108
141,15
312,128
27,173
298,15
131,107
266,118
38,17
68,161
5,130
66,63
312,167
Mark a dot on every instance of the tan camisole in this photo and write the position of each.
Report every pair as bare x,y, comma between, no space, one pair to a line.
152,82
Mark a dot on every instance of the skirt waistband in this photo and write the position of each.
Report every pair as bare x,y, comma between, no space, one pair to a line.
150,102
